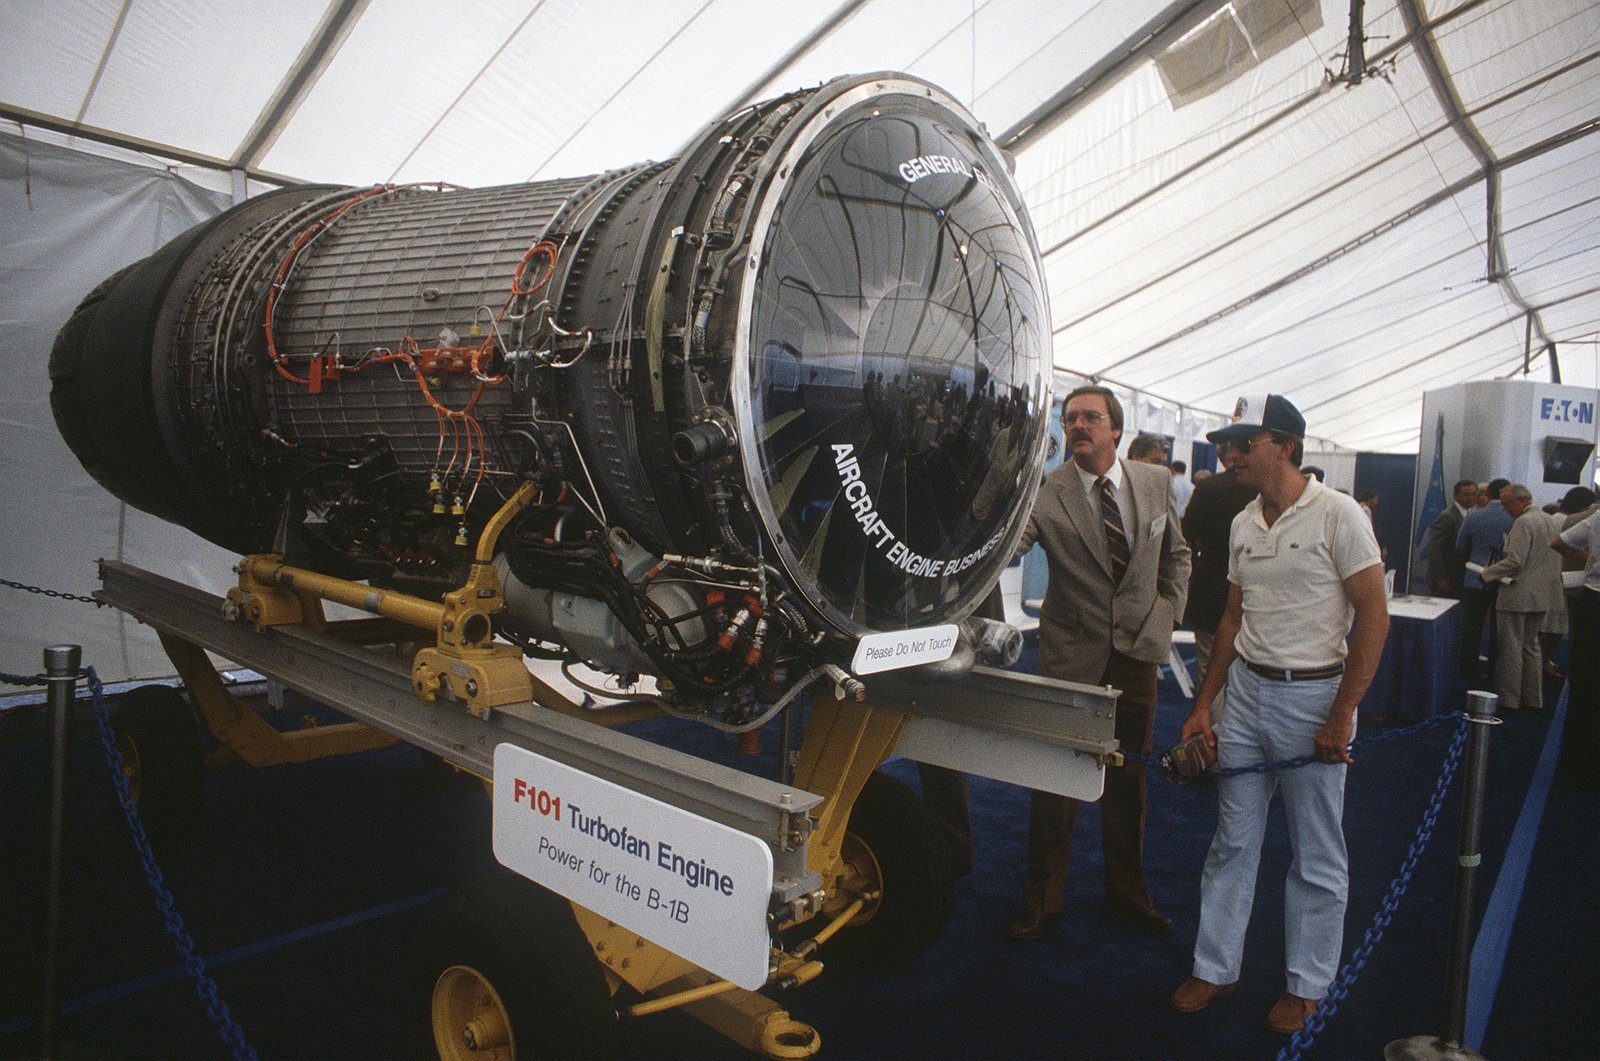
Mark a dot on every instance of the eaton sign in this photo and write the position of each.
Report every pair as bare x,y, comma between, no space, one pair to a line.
1566,411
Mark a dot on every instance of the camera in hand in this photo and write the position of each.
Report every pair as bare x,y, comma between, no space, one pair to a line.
1188,761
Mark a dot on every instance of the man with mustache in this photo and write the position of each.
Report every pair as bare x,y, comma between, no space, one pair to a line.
1119,571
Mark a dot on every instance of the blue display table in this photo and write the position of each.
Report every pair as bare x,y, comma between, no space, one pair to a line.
1419,675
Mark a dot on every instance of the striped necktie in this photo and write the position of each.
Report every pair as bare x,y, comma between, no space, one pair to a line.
1116,537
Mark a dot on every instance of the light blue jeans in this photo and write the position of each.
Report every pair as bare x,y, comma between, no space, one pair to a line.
1268,721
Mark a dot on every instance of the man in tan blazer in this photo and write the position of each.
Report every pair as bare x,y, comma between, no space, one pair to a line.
1119,572
1529,574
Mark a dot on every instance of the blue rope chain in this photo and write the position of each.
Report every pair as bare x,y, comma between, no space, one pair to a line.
56,593
1309,758
1301,1041
206,988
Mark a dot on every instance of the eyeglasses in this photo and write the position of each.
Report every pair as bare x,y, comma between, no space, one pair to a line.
1088,416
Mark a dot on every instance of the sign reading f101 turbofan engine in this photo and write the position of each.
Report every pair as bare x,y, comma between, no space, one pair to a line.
696,887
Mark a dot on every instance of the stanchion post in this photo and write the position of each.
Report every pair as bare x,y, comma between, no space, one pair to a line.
1458,966
1480,706
61,673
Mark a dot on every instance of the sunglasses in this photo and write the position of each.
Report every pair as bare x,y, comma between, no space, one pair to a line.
1242,445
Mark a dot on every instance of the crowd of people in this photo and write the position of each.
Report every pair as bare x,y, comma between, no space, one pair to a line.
1282,580
1505,559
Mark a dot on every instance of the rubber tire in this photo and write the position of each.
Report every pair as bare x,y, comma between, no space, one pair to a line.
918,886
522,939
160,725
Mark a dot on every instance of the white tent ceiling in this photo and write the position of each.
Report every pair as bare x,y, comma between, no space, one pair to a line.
1224,206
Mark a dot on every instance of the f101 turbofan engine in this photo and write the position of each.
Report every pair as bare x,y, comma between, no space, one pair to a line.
781,393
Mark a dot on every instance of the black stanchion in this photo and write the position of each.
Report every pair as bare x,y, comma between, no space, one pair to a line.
61,672
1458,967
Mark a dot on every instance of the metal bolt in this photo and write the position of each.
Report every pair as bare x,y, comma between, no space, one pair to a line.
472,687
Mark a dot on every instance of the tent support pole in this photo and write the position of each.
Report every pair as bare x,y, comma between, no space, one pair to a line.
1356,53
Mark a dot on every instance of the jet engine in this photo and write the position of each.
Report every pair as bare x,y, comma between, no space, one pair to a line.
777,395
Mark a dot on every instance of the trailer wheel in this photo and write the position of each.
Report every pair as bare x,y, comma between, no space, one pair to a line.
892,847
504,972
162,760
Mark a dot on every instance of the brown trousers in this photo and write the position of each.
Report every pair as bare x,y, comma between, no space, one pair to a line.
1122,807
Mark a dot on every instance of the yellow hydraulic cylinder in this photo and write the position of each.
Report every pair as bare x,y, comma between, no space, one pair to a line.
268,570
464,662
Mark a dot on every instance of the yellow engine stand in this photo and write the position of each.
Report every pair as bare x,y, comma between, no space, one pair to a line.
843,744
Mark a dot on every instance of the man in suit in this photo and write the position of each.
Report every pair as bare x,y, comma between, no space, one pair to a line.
1446,564
1119,571
1530,584
1149,448
1206,524
1482,533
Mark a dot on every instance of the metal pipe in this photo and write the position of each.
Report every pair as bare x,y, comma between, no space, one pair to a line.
61,672
693,994
844,917
1480,706
1357,55
786,725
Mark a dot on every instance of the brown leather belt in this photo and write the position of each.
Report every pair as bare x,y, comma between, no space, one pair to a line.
1307,674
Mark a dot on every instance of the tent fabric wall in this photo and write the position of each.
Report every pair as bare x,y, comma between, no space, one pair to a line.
1291,231
67,221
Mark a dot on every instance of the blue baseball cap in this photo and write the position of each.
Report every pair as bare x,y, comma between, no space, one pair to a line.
1253,414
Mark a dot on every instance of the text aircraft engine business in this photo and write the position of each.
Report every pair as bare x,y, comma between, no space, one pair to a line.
781,394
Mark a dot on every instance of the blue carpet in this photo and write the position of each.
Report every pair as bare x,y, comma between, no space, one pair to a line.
304,892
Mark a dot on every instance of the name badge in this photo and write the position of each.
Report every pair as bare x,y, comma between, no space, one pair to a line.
1158,525
1262,548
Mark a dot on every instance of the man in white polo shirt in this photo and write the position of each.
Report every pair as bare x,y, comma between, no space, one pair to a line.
1303,562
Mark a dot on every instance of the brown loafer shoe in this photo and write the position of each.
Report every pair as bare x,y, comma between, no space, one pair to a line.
1289,1014
1031,925
1144,918
1195,994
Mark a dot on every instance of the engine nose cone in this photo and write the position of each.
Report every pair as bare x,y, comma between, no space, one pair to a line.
897,379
